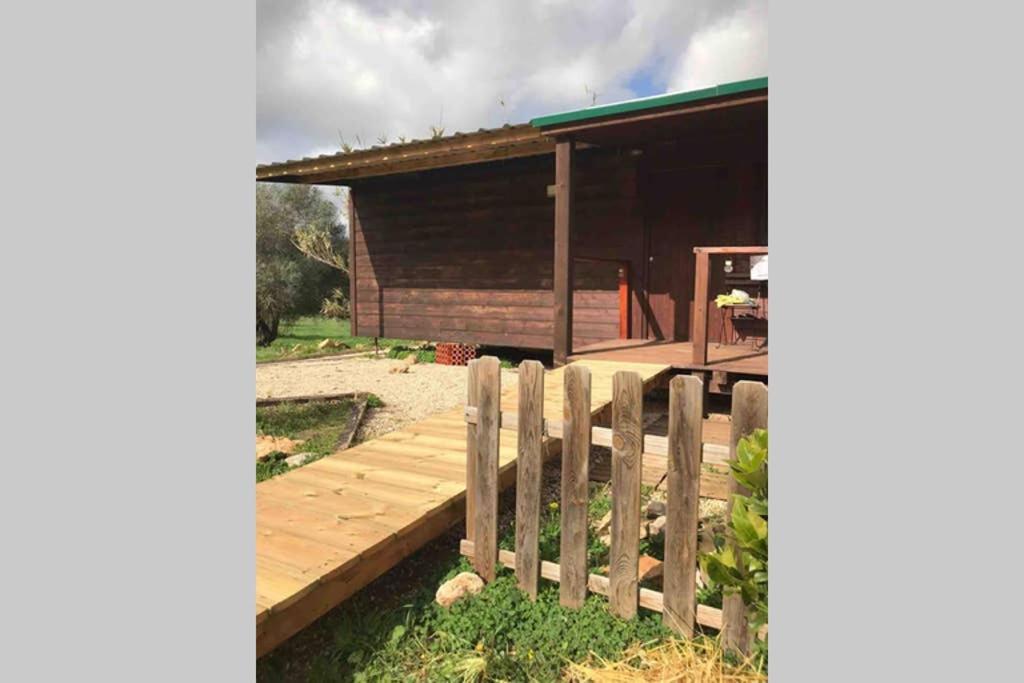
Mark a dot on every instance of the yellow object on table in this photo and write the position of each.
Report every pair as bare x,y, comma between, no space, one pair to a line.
730,300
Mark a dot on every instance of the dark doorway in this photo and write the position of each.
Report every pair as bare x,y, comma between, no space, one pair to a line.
678,217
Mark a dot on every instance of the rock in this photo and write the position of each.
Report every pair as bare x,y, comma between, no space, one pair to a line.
466,583
297,459
650,568
656,508
603,524
657,526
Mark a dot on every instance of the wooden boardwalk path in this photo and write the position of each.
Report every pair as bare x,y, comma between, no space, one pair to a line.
325,530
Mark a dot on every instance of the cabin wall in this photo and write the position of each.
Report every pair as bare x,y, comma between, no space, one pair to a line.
466,254
706,192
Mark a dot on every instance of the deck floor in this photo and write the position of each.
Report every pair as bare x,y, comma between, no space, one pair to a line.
738,358
325,530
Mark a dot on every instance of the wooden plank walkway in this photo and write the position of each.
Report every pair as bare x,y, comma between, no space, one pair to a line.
325,530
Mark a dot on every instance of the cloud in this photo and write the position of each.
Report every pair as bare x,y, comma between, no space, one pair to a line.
732,49
371,69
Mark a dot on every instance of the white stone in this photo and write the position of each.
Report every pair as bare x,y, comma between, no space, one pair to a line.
466,583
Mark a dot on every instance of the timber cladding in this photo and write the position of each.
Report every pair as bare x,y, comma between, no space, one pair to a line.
466,254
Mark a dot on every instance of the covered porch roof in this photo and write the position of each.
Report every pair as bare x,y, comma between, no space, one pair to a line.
728,106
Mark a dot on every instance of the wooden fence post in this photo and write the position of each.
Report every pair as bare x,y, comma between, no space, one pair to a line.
685,424
486,487
627,445
529,464
749,412
575,481
471,454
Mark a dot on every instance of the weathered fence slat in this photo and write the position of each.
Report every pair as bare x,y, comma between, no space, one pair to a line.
471,452
685,424
749,412
528,475
686,483
575,480
487,440
627,444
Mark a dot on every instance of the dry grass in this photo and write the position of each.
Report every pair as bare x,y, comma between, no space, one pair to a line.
685,661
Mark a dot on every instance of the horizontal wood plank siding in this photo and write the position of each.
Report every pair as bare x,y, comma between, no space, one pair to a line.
466,254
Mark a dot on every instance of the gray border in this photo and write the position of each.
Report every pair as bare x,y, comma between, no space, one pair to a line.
128,499
129,168
893,177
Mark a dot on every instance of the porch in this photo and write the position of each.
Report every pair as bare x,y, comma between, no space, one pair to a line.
742,359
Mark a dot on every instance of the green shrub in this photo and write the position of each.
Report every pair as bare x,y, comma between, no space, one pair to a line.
745,569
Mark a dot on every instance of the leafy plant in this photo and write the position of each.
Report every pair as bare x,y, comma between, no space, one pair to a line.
740,565
336,305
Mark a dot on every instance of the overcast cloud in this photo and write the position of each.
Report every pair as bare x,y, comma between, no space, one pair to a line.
372,69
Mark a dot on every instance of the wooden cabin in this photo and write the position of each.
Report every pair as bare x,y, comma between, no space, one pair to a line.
602,232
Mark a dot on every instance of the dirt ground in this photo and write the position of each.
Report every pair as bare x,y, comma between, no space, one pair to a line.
425,389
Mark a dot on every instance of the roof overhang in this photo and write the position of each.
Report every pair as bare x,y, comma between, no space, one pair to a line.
730,105
508,142
658,106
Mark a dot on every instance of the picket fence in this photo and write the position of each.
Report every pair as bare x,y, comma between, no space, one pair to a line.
683,447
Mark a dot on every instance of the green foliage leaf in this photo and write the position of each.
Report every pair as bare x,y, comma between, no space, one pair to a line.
741,564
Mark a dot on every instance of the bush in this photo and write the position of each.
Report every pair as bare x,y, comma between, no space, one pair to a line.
741,563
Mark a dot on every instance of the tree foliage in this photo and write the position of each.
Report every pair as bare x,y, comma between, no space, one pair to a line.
288,282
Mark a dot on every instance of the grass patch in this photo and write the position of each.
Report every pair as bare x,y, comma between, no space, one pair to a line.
299,338
499,635
423,355
320,424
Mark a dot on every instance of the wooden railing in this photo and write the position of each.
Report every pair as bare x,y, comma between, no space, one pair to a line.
686,482
701,280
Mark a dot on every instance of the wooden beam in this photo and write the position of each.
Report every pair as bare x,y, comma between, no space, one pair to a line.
602,436
472,400
700,309
529,466
685,425
627,447
563,250
352,290
575,486
730,250
486,485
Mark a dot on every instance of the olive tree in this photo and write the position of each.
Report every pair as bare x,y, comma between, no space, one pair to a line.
290,280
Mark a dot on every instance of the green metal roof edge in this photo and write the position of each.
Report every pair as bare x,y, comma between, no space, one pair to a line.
650,102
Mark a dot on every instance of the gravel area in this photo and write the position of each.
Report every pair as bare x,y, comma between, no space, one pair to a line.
425,389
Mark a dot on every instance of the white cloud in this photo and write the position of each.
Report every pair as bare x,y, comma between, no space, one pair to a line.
391,68
732,49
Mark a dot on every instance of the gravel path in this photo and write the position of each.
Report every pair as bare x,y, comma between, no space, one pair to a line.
424,390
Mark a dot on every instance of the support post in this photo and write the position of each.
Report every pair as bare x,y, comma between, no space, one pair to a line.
700,308
563,273
353,315
472,399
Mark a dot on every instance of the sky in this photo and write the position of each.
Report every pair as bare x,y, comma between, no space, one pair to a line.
362,72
